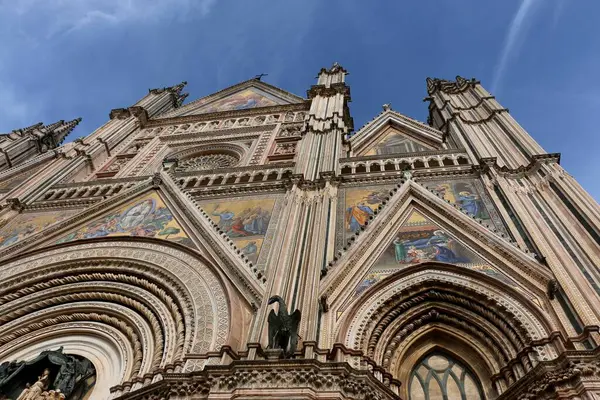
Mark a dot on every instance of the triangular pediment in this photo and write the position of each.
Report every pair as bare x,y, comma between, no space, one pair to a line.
414,227
144,216
420,240
393,140
393,133
246,95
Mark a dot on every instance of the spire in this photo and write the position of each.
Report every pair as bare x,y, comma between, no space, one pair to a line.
54,134
27,129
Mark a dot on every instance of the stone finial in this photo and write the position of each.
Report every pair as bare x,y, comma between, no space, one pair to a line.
387,107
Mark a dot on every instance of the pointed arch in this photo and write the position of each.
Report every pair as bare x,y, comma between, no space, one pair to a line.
401,318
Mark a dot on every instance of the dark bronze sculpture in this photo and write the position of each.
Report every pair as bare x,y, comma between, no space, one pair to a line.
283,328
67,373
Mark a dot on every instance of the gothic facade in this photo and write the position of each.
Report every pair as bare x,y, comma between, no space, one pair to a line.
453,259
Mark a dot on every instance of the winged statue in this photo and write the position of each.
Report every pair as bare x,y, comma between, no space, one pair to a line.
283,328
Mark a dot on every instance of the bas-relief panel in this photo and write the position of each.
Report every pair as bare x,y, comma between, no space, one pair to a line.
244,221
244,99
395,142
420,240
356,205
147,216
27,224
470,195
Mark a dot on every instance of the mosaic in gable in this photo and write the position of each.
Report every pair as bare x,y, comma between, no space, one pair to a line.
145,217
25,225
419,240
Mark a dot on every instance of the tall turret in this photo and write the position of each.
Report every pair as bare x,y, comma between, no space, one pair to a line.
22,144
470,115
328,121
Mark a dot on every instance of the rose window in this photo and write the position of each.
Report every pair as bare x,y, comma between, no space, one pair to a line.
206,162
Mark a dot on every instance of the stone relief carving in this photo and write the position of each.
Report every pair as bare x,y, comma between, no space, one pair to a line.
206,162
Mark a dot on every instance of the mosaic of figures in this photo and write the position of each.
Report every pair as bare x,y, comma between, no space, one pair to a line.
394,142
420,240
470,195
225,124
25,225
355,206
244,221
242,100
147,217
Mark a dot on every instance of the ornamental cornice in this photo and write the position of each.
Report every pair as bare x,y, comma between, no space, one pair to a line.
456,152
461,84
280,108
245,168
524,170
293,376
249,131
100,182
238,189
329,91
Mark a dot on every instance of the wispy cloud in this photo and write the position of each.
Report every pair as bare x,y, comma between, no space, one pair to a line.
29,27
511,42
66,16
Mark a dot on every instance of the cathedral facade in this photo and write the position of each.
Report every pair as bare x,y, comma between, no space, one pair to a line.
253,245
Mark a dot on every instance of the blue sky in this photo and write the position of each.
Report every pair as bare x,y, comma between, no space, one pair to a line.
62,59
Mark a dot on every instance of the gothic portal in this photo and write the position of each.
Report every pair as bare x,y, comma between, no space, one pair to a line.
251,244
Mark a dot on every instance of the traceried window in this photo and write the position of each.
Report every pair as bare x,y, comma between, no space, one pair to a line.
440,377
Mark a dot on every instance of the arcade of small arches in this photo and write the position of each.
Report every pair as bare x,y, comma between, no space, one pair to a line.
401,164
267,175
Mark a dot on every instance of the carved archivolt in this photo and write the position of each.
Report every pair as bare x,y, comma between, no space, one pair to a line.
154,303
393,318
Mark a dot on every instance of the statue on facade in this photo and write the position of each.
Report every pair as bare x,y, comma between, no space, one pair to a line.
283,328
34,392
64,375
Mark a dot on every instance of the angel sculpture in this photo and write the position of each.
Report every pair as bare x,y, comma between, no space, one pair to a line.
283,328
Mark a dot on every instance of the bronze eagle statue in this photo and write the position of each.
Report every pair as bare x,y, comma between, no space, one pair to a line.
283,328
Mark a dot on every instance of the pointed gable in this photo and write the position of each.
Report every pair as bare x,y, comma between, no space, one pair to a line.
146,216
393,133
243,96
394,141
420,240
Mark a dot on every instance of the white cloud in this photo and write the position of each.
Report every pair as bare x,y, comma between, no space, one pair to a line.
28,27
53,17
511,42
